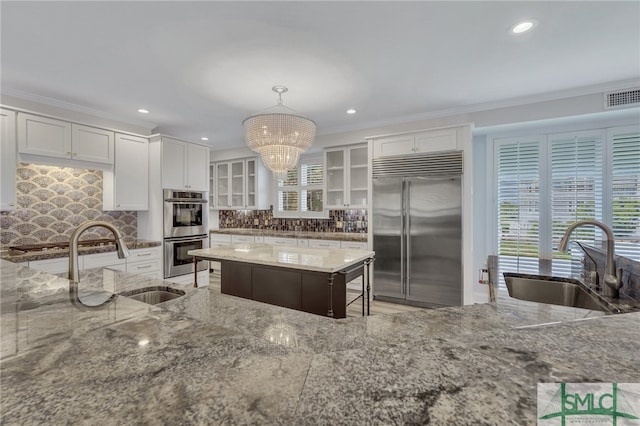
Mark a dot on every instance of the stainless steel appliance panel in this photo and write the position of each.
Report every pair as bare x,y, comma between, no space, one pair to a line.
185,213
388,239
176,260
434,240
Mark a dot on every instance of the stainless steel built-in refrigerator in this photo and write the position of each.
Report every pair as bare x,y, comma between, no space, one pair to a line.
417,229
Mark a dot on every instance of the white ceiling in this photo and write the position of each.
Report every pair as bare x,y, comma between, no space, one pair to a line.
200,68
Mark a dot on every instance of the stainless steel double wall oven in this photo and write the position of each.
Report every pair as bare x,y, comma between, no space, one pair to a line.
186,227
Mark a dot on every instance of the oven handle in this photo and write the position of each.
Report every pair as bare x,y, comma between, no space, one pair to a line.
185,201
183,239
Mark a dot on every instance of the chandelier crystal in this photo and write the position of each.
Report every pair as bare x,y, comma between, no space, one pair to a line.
279,135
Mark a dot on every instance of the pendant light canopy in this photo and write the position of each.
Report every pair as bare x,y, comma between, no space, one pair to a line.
279,135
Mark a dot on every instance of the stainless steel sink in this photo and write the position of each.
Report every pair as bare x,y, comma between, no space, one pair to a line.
555,291
153,295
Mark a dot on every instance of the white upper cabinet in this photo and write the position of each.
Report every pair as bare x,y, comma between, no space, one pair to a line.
92,144
238,184
8,160
126,187
346,177
414,143
184,165
47,137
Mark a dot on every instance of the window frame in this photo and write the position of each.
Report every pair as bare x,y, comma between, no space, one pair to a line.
299,188
544,139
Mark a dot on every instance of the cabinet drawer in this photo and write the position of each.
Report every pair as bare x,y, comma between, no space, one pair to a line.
144,254
242,239
219,239
279,241
100,260
324,244
53,266
353,245
144,267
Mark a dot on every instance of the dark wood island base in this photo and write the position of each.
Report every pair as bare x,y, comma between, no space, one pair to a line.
320,293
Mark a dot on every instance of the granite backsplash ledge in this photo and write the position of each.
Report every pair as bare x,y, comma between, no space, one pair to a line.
349,221
52,201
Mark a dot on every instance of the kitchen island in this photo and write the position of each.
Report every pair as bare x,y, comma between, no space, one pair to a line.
306,279
207,358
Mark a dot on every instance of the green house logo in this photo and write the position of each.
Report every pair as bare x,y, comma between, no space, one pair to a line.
589,403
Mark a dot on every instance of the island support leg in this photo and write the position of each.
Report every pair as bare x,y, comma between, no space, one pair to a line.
330,281
195,272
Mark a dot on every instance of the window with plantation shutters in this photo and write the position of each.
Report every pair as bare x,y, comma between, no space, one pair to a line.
625,190
547,182
518,175
576,167
299,193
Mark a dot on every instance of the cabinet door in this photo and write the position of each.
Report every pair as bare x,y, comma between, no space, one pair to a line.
174,158
223,184
43,136
197,167
335,178
358,183
395,145
131,173
8,160
251,184
92,144
436,140
237,184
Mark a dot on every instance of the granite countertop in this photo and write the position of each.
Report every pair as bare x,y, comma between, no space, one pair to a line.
339,236
208,358
305,258
19,256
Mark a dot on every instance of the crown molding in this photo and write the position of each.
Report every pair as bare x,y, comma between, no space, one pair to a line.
44,100
488,106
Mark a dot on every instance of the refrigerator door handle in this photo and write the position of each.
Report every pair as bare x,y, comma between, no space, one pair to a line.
403,229
407,213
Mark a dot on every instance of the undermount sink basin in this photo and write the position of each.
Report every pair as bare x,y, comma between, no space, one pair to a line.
153,295
555,291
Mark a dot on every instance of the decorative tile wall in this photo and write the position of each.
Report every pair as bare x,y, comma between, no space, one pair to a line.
52,201
339,221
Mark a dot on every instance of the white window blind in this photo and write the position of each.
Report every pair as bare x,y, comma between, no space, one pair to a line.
625,192
570,177
518,196
576,185
299,193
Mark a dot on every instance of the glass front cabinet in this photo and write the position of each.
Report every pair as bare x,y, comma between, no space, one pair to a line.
235,185
346,184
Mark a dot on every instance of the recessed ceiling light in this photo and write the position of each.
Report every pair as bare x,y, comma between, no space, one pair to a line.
351,111
204,138
524,26
143,111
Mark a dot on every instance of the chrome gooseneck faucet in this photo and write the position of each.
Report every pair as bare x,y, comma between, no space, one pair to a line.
612,276
123,251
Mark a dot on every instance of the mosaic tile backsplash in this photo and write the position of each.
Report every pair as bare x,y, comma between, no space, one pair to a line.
52,201
339,221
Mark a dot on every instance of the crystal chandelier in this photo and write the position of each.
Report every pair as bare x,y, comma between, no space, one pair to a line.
279,134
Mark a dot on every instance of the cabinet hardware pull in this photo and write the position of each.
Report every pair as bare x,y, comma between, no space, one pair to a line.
143,254
144,267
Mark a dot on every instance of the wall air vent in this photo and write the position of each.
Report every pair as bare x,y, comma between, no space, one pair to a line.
622,99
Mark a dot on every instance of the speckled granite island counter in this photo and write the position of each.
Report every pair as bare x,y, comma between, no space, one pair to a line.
207,358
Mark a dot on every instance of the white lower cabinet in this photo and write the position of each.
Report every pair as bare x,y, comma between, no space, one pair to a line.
218,240
354,245
146,261
242,239
330,244
281,241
